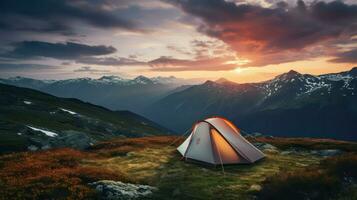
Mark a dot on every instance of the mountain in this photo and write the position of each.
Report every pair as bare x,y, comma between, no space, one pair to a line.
291,104
112,92
30,119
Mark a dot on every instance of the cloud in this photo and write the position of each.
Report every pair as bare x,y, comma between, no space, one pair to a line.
273,35
27,66
113,61
68,50
90,70
165,63
58,15
346,57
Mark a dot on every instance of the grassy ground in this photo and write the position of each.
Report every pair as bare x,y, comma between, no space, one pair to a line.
162,166
64,173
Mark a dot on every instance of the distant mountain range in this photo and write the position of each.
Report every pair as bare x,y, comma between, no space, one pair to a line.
291,104
32,120
109,91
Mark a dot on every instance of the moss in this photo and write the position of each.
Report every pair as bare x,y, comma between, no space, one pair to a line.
65,173
333,178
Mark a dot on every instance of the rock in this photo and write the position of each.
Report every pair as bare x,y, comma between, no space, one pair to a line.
130,154
70,138
286,152
176,192
269,146
327,152
265,146
32,148
45,147
118,190
255,187
256,134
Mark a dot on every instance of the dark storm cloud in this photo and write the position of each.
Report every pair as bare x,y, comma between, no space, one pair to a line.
266,34
16,66
57,15
69,50
346,57
113,61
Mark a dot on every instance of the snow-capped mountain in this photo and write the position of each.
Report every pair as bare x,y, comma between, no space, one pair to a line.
109,80
294,103
308,84
113,92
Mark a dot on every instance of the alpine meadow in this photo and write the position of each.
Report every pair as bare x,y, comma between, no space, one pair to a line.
178,99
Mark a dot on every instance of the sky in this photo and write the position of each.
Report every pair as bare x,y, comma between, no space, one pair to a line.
241,40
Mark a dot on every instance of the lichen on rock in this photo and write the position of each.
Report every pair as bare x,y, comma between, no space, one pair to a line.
118,190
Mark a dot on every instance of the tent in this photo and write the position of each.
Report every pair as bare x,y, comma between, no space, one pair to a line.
217,141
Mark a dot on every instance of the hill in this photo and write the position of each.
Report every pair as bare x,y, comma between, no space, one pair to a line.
31,120
291,104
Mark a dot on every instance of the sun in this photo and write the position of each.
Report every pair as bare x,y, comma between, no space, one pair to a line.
238,70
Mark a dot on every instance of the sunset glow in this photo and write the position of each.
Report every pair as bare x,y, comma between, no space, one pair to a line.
187,39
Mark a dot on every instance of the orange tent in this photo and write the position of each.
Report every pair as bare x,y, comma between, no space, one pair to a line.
217,141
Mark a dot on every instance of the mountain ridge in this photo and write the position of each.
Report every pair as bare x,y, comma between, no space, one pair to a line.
291,104
113,92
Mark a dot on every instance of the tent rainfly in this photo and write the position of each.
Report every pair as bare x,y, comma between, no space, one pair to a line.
217,141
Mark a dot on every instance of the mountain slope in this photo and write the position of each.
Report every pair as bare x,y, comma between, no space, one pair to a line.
31,120
292,104
112,92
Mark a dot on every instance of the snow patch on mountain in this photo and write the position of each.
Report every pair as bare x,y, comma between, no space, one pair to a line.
27,102
142,80
312,85
48,133
346,78
68,111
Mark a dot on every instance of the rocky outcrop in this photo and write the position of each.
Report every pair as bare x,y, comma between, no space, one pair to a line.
321,153
118,190
327,152
266,147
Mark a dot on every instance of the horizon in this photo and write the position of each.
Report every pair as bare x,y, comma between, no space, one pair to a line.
193,39
192,81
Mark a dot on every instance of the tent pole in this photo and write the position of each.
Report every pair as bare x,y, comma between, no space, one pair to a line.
220,159
185,133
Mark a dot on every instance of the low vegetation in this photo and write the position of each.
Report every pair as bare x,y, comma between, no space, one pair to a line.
333,178
54,174
65,173
307,143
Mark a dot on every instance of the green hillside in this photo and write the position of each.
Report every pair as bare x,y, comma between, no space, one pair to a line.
26,115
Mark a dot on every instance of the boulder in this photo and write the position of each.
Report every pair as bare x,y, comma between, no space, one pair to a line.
255,188
118,190
176,192
327,152
265,146
32,148
256,134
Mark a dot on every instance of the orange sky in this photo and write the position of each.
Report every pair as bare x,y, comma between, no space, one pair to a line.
256,74
192,39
